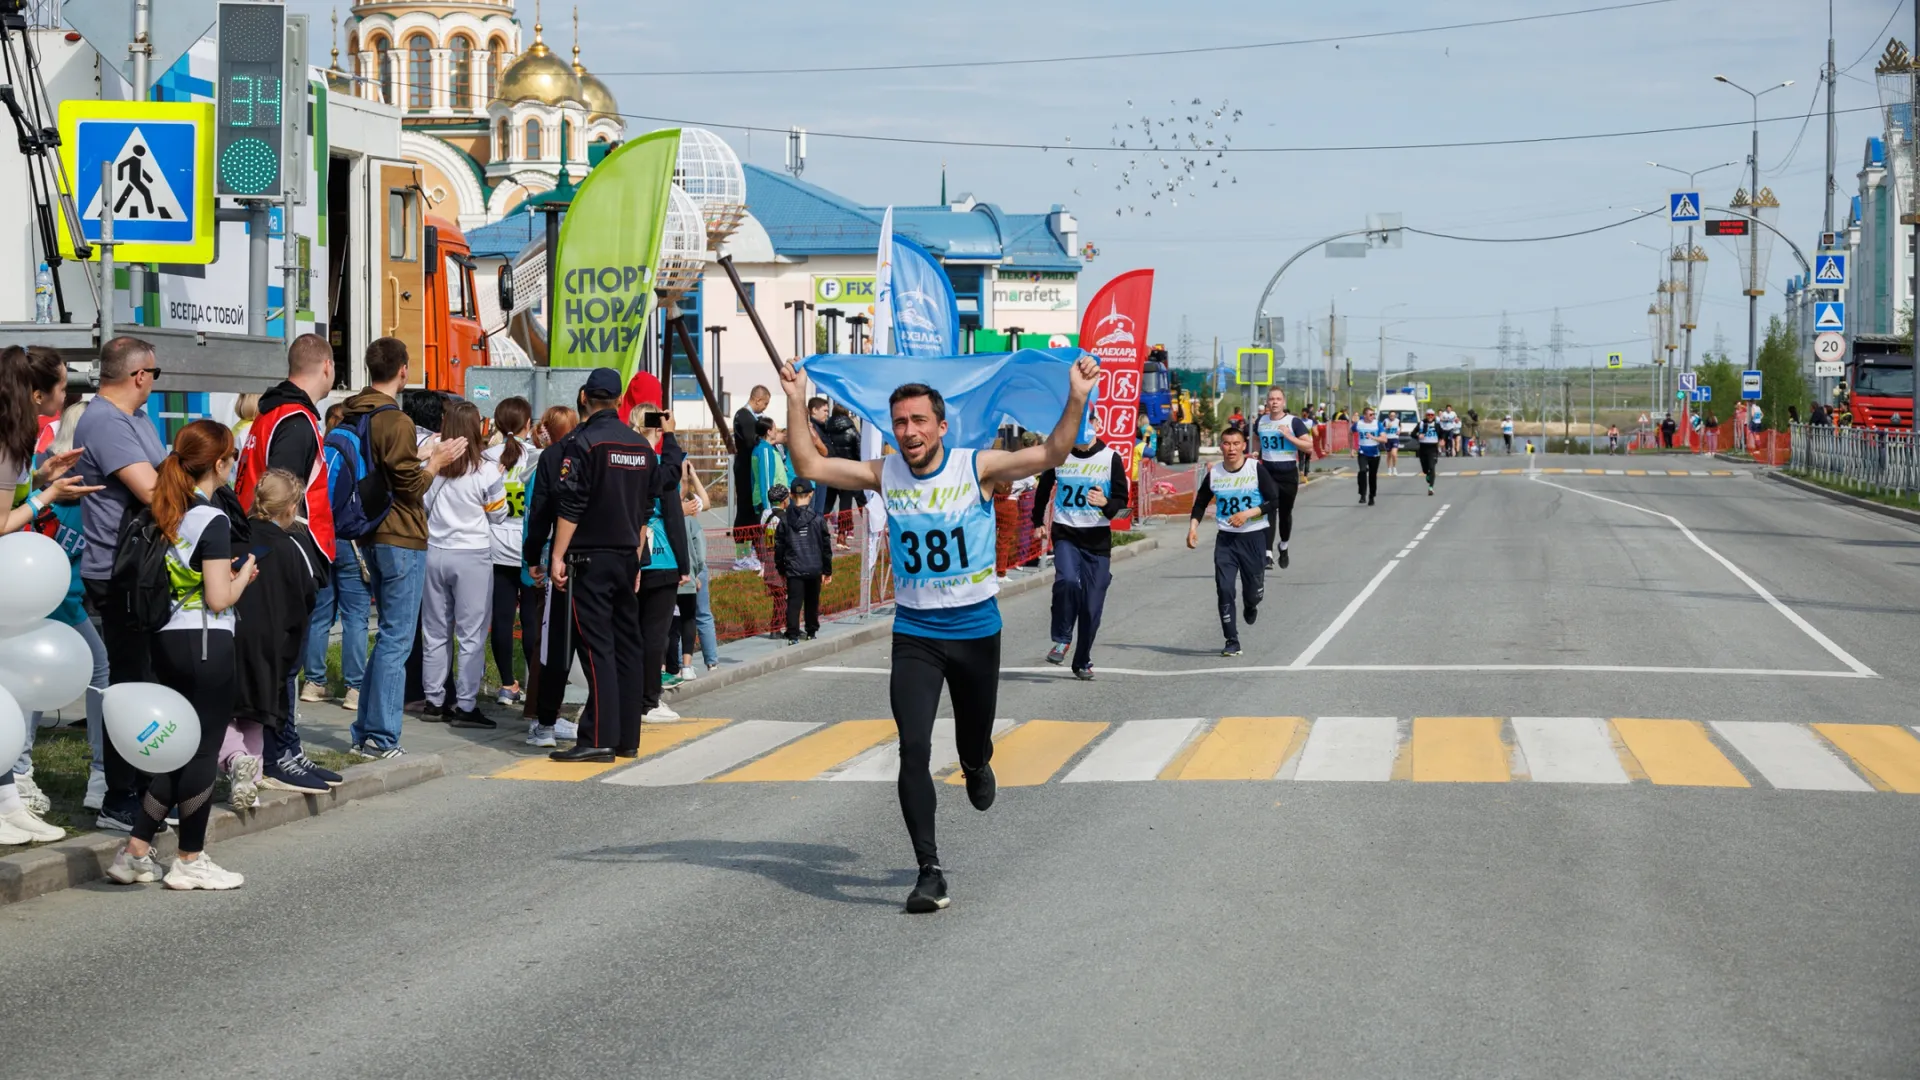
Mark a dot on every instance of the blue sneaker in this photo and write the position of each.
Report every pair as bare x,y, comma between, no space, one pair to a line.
288,774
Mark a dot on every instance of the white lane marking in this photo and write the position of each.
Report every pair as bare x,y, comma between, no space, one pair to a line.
1411,544
1136,750
1389,667
713,754
1350,748
883,762
1346,615
1789,756
1422,534
1568,750
1791,615
1404,552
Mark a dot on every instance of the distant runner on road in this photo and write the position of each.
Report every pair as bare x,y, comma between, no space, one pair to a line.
1427,434
1283,438
1247,494
946,626
1506,432
1366,454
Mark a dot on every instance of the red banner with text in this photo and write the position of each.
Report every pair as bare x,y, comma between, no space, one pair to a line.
1114,329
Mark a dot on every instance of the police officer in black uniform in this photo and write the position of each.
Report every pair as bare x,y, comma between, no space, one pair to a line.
610,478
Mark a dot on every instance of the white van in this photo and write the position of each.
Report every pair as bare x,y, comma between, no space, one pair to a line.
1404,407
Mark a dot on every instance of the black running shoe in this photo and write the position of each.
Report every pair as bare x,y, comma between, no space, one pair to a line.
1269,560
1369,502
1363,500
929,893
1253,614
981,787
1231,650
1084,674
470,718
1283,558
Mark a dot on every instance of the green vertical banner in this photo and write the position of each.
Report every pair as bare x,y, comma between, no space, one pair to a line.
609,246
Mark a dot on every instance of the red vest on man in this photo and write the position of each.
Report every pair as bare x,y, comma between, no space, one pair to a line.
253,465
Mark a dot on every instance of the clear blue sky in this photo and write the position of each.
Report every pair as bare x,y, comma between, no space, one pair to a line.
1644,68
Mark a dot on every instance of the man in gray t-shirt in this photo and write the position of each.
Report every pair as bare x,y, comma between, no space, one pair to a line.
120,451
111,438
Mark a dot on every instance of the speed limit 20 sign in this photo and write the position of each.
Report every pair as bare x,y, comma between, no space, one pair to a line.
1830,347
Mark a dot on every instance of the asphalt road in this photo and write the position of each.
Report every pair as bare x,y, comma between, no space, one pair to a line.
1737,901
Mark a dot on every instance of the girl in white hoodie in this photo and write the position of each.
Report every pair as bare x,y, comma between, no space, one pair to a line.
467,499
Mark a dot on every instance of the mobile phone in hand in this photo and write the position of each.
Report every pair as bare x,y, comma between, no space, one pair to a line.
654,419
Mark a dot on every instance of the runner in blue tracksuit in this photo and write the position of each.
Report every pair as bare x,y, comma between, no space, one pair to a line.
1367,440
1087,491
1247,494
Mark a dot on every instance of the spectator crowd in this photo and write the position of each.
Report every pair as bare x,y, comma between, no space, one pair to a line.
416,525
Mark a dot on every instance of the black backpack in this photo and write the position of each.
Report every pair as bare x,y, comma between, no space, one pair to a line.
796,543
140,579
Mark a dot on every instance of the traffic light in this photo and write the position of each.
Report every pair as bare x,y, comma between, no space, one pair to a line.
250,123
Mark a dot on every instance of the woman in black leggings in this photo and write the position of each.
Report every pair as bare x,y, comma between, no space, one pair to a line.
193,653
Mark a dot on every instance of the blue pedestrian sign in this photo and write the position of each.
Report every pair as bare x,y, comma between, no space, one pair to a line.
1830,270
1750,386
1688,380
1829,315
161,154
1683,207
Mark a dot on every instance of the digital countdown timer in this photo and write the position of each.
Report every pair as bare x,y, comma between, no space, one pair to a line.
250,124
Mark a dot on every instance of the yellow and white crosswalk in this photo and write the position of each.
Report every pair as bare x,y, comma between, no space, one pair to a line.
1593,472
1423,749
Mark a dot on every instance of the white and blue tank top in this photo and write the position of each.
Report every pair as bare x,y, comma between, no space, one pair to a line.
1234,492
942,536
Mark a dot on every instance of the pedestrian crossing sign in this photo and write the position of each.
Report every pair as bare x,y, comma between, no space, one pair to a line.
162,159
1829,315
1683,207
1830,270
1254,367
1615,360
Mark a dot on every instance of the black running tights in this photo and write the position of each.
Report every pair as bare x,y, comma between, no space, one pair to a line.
200,666
1429,460
1288,481
1369,475
509,599
970,669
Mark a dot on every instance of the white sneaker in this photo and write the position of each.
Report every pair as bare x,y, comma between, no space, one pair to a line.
541,735
201,873
26,821
748,563
128,870
566,729
661,714
244,782
313,692
351,702
13,835
31,794
687,674
96,796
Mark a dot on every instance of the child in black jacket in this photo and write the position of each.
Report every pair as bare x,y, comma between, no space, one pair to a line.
803,554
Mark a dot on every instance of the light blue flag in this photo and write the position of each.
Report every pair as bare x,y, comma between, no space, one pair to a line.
926,317
1030,386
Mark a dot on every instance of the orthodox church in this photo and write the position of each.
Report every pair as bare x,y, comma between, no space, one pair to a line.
490,123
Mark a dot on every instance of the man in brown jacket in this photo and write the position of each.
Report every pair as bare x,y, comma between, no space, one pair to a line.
396,550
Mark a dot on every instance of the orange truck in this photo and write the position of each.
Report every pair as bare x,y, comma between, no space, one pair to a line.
429,300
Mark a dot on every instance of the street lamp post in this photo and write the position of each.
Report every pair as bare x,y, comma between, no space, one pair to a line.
1753,267
1381,389
1658,381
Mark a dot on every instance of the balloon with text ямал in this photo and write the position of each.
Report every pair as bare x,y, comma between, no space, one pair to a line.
152,726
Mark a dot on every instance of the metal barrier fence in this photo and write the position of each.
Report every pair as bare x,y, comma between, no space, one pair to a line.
1878,460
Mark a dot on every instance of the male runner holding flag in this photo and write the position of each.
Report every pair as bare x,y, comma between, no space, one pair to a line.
946,626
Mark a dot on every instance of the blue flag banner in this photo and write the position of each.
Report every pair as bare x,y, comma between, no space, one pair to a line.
926,317
1030,386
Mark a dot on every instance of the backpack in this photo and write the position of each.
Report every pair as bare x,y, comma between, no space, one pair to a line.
357,488
796,544
140,574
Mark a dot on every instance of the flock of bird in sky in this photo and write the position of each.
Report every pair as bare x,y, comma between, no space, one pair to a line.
1180,156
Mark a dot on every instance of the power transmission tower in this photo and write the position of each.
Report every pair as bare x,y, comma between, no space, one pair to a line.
1185,348
1511,374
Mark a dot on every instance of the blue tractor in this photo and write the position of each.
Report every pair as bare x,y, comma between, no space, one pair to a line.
1170,410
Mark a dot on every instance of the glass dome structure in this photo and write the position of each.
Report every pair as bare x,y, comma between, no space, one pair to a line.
682,245
709,172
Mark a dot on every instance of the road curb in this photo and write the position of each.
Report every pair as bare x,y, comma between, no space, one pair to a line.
812,651
1898,513
77,860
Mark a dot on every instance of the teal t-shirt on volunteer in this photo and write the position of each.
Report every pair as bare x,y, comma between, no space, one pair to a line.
110,440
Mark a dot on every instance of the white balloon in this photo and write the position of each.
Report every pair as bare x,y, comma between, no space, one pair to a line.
153,726
37,574
45,666
13,730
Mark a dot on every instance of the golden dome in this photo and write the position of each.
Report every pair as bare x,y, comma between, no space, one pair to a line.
539,76
598,98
